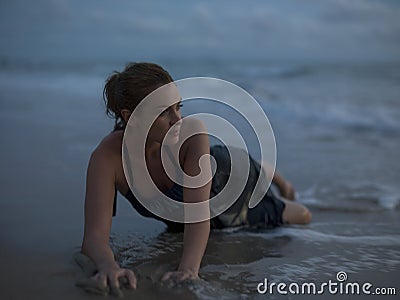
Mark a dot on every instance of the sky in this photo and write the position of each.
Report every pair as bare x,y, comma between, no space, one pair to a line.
76,30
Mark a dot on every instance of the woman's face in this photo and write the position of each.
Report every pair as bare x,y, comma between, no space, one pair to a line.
167,125
158,116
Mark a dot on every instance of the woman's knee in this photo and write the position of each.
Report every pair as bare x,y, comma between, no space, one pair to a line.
296,213
305,216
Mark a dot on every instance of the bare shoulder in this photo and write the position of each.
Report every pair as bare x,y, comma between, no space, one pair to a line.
198,143
110,147
192,128
191,124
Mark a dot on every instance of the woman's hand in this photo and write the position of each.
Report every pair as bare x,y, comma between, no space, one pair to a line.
180,275
285,187
287,191
109,280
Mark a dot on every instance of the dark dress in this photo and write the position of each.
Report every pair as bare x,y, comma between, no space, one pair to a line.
267,213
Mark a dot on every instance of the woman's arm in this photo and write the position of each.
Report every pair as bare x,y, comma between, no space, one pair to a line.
285,187
100,189
195,234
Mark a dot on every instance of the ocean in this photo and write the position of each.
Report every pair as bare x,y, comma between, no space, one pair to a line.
337,131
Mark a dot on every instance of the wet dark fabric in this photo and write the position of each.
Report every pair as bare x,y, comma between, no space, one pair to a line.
268,213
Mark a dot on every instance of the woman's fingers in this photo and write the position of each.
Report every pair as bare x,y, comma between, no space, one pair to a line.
114,284
116,291
183,276
110,283
178,276
113,280
101,278
131,278
125,278
92,285
166,276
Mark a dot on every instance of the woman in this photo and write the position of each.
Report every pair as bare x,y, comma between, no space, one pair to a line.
105,175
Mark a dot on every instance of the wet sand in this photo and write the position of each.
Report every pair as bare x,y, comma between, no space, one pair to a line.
235,262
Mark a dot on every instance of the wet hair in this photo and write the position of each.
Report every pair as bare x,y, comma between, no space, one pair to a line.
125,90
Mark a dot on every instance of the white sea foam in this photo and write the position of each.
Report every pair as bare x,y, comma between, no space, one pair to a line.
389,201
311,235
357,197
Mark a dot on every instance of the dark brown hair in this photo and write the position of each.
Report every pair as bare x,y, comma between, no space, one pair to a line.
125,90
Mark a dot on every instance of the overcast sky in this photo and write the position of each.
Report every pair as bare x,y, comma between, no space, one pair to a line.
43,30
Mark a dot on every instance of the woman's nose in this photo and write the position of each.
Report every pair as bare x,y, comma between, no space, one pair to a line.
175,116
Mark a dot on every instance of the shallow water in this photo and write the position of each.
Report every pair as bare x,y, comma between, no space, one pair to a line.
237,260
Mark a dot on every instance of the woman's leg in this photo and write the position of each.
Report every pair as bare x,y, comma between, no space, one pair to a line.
295,213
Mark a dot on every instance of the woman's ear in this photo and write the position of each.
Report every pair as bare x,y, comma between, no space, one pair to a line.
125,113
